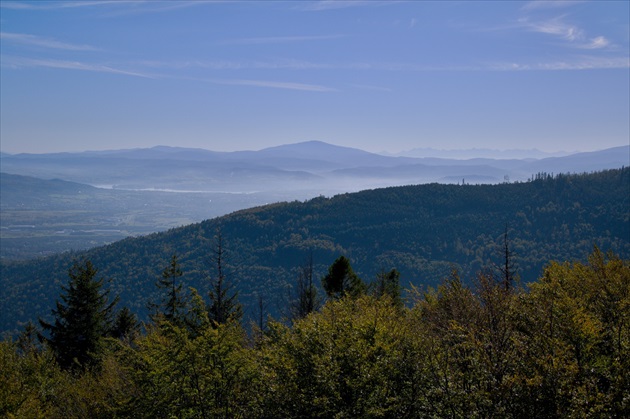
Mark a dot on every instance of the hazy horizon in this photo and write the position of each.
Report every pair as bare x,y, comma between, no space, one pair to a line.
406,152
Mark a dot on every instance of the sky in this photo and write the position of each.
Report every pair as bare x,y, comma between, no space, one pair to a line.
376,75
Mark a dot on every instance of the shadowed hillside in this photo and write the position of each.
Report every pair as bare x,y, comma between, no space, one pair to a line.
423,231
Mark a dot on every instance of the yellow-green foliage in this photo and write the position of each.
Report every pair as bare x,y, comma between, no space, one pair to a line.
349,360
560,348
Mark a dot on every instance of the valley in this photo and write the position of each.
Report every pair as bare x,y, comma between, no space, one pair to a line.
52,203
423,231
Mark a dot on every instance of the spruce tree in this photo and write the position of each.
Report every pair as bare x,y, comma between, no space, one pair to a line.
83,318
306,299
224,305
341,280
172,306
507,268
125,325
388,284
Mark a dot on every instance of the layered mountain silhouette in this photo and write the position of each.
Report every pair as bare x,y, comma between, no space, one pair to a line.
313,165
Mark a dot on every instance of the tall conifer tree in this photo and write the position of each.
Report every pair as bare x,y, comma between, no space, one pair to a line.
172,306
83,318
224,305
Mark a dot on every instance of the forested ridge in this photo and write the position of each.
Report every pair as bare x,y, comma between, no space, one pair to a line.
423,231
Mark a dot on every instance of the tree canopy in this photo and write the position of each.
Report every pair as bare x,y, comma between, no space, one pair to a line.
558,348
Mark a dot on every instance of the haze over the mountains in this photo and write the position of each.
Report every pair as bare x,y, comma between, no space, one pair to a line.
316,167
121,193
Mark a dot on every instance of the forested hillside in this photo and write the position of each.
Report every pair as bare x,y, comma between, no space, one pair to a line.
423,231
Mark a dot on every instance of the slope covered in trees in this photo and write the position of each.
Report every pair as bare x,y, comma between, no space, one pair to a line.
560,348
422,231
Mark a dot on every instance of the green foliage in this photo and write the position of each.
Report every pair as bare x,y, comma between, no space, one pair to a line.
125,324
423,231
26,378
579,332
83,318
560,348
353,359
172,306
306,299
224,305
184,376
341,280
388,284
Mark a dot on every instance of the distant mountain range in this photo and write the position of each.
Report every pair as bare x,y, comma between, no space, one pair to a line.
314,166
485,153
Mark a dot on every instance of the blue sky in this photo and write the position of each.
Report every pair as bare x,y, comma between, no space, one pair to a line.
377,75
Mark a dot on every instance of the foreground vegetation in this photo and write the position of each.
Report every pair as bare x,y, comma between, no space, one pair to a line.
559,347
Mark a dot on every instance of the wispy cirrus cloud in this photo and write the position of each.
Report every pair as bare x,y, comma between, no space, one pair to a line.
571,63
371,88
578,63
322,5
23,62
274,84
546,4
278,39
280,64
123,6
50,5
34,40
555,27
568,32
219,65
595,43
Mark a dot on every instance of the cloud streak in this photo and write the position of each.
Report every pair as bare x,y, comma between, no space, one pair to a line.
572,63
277,40
139,6
595,43
51,5
275,85
579,63
568,32
546,4
323,5
22,62
555,27
34,40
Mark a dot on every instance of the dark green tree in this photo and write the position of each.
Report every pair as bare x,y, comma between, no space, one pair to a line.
172,307
224,305
83,318
388,284
341,280
27,341
507,268
125,325
306,299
